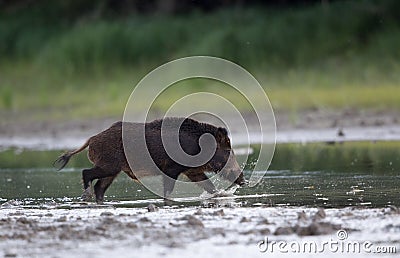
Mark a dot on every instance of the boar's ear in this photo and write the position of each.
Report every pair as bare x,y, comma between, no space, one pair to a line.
221,133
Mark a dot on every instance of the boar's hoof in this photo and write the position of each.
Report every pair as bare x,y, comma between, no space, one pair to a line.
87,195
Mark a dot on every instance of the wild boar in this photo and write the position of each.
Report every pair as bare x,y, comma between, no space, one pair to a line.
106,152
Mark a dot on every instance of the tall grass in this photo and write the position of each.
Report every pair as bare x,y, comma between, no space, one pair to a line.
43,95
344,54
252,37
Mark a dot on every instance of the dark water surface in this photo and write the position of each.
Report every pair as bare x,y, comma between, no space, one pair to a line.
318,174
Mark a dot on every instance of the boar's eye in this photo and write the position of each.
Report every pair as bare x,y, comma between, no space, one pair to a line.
223,139
227,144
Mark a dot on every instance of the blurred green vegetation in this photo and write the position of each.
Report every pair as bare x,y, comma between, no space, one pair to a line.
364,30
33,159
378,158
58,62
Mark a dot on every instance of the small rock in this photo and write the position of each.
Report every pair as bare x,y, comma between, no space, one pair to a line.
193,221
265,231
174,244
264,222
219,213
144,219
5,221
100,228
321,228
248,232
219,231
62,219
307,231
391,227
199,212
47,228
283,231
152,207
348,214
174,224
107,220
23,220
106,213
302,216
320,214
244,219
131,225
22,236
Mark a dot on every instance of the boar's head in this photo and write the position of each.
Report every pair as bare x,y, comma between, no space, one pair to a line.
224,160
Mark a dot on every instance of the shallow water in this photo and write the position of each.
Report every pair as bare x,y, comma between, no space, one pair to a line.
313,175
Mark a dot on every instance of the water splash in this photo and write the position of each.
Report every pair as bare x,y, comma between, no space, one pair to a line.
220,193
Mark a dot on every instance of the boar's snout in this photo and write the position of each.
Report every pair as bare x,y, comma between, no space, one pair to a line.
235,176
232,171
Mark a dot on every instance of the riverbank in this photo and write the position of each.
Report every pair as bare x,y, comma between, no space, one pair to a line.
306,126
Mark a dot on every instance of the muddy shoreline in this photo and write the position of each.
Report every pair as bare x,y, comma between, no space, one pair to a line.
304,126
190,231
17,124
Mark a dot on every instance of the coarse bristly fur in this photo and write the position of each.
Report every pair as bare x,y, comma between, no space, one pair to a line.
106,152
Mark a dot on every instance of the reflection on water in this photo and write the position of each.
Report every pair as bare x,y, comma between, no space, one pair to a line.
329,189
348,174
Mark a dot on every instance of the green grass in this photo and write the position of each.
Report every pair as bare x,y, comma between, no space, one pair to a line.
31,91
252,37
77,67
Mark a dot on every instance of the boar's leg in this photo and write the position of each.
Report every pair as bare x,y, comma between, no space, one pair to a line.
168,184
88,175
101,186
169,178
201,179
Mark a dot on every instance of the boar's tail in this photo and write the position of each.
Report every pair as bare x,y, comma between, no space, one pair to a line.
64,158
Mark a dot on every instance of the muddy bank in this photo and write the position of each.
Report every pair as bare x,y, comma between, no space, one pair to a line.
329,135
191,231
305,126
17,125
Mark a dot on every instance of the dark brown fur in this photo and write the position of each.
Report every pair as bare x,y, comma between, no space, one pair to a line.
107,154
